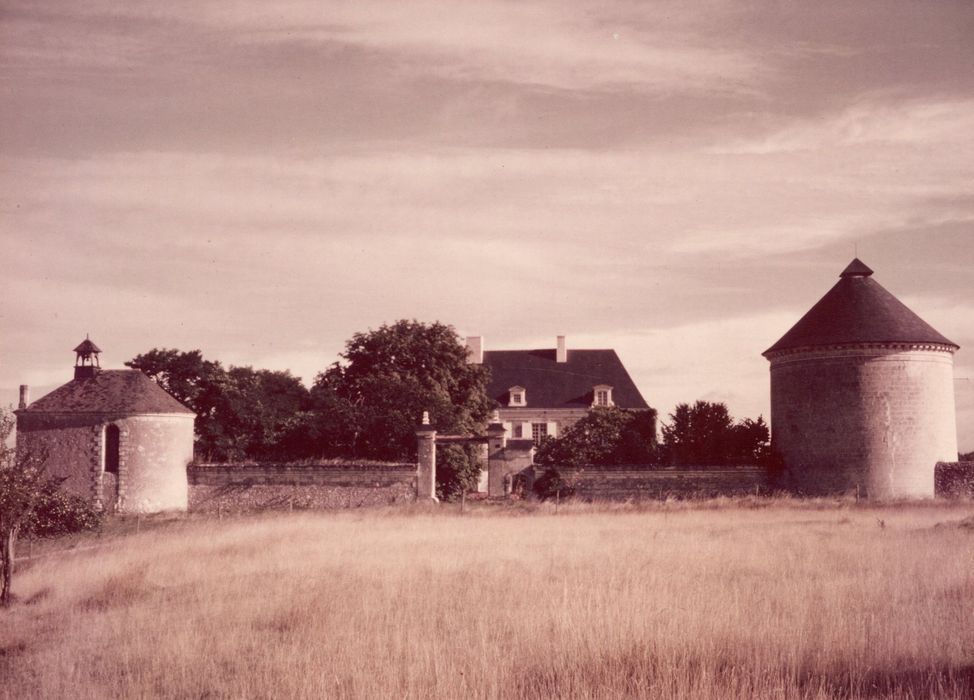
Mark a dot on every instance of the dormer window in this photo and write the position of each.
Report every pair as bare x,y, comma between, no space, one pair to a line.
602,395
516,396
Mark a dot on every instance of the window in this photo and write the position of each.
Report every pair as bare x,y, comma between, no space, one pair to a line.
602,395
539,431
516,396
517,431
111,449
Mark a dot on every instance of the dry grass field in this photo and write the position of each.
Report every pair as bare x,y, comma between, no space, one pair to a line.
763,599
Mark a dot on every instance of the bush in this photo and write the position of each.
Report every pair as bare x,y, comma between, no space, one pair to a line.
59,513
458,470
604,436
551,485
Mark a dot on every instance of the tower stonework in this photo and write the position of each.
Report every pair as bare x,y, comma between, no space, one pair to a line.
114,437
862,395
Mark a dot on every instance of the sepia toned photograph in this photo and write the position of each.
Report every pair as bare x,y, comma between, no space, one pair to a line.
498,349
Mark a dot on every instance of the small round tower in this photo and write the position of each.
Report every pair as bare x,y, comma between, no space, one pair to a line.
862,395
114,436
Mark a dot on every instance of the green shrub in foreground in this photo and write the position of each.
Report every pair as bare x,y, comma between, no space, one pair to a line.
59,513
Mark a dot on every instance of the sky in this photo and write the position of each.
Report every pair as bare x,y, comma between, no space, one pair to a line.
678,181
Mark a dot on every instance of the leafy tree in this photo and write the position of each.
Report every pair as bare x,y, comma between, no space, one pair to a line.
458,469
21,483
185,375
369,404
705,434
750,442
256,411
241,413
604,436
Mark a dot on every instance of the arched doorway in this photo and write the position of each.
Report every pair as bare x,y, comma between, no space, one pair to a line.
109,478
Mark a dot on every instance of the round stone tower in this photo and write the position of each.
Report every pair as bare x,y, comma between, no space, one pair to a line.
114,436
862,395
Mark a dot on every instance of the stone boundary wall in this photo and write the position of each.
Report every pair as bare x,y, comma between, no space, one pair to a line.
954,479
228,488
654,482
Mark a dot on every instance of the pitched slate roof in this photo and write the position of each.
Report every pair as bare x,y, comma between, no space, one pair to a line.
858,310
109,391
551,384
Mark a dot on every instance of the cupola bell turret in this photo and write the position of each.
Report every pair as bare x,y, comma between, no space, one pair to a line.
86,360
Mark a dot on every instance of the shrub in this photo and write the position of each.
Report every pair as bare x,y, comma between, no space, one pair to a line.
551,485
458,470
604,436
59,513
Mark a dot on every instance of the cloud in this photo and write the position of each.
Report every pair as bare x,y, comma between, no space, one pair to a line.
890,123
531,43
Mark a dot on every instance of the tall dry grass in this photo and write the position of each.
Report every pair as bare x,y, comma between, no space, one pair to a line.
671,602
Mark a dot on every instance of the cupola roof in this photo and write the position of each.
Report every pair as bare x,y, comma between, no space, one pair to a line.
86,347
858,310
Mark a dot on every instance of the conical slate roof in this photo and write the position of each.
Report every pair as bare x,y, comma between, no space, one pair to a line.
109,391
858,310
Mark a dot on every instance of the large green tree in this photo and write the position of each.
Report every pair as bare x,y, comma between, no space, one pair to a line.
241,412
604,436
372,400
706,434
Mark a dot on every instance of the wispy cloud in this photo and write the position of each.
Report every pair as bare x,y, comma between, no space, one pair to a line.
532,43
869,124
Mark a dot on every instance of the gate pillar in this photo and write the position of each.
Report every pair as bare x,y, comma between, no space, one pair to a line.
496,459
426,460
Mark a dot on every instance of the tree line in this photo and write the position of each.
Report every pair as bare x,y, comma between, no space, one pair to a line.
367,406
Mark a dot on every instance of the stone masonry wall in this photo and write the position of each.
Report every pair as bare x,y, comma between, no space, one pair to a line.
650,482
872,420
71,445
244,487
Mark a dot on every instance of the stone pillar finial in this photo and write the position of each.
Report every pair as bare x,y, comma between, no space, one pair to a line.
495,417
426,418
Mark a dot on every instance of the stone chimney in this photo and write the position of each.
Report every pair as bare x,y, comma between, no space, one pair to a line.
24,396
475,349
562,353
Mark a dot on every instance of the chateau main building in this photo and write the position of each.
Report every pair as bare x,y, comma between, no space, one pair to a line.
543,392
